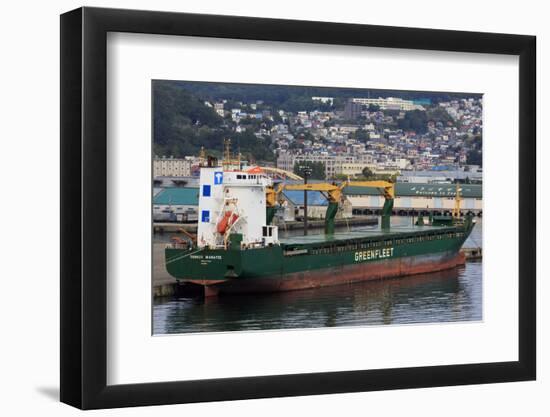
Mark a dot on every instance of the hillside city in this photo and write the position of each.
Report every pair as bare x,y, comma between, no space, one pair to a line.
338,136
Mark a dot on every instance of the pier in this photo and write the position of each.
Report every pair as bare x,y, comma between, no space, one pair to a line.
164,284
472,254
174,227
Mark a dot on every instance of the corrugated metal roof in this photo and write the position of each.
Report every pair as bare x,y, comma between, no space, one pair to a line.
427,190
314,198
181,196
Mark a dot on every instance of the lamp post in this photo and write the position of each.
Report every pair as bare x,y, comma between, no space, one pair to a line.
306,172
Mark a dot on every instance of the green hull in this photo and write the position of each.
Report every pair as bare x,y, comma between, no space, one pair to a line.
357,254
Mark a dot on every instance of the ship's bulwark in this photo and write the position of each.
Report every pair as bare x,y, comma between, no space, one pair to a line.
301,266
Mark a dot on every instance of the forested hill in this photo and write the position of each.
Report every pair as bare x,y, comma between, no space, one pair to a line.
182,123
298,98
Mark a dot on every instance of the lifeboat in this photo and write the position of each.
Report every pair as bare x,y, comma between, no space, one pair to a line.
255,170
227,220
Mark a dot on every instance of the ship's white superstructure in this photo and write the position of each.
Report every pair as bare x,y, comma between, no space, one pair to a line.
233,202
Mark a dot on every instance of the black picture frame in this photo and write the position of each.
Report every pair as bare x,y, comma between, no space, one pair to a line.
84,207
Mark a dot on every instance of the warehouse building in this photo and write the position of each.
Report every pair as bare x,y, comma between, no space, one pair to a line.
418,199
176,205
293,205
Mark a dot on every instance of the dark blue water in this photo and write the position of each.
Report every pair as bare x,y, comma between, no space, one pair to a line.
447,296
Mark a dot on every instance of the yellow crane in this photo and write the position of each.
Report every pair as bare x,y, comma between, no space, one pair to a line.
458,200
387,189
334,194
282,172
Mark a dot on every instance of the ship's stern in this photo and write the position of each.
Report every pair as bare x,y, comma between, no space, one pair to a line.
202,266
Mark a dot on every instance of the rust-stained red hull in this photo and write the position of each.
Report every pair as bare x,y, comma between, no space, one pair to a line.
345,274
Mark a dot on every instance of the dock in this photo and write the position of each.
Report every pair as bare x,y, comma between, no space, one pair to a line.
164,284
174,227
472,253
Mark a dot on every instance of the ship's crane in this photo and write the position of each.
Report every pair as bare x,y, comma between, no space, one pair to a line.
334,194
282,173
458,199
387,189
271,196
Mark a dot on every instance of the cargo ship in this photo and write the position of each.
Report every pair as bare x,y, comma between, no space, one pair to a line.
237,248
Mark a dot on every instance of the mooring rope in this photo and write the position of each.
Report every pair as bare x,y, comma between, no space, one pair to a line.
183,256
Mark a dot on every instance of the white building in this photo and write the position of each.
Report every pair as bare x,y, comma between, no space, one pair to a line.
436,198
353,169
219,108
390,103
334,164
324,100
171,167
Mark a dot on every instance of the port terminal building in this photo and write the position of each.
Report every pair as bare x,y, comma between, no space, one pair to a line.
176,204
180,204
293,205
418,198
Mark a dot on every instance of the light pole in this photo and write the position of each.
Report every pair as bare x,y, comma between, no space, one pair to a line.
306,172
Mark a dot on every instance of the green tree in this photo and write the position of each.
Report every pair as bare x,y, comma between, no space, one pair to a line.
361,135
415,120
474,155
367,173
439,114
317,169
340,177
183,124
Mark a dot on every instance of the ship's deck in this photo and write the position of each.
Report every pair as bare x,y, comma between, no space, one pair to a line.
358,234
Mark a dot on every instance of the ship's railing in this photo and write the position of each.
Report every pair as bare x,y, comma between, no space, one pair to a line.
179,243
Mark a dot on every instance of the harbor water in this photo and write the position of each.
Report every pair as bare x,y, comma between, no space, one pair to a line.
447,296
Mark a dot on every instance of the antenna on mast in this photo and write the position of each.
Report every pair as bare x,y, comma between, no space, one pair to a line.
226,153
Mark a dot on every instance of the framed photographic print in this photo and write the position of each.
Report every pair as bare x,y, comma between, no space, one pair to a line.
257,208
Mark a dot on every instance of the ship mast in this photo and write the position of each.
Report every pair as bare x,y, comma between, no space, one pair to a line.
226,154
202,156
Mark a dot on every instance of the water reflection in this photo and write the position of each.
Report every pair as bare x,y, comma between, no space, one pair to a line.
447,296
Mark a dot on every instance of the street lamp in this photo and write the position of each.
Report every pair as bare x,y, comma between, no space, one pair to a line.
306,171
